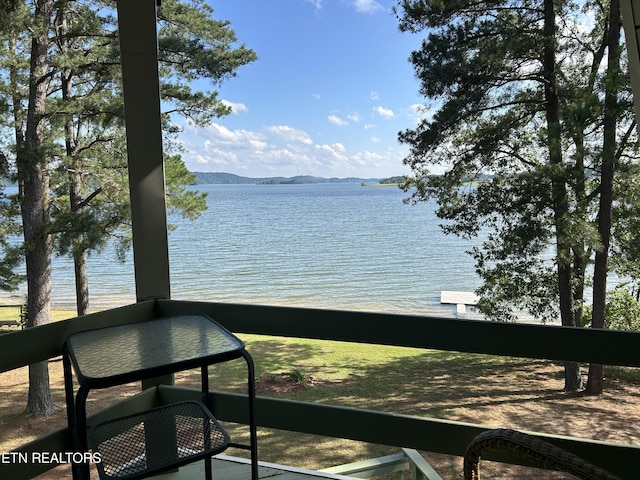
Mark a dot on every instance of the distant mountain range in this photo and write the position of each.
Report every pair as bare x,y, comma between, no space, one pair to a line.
230,179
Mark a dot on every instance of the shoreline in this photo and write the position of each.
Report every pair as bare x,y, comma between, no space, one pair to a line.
100,304
65,309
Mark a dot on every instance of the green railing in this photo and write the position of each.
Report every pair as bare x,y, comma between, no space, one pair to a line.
441,436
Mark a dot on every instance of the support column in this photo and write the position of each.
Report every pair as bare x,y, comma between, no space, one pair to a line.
631,24
141,86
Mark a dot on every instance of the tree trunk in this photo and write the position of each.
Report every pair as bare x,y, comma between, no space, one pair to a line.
34,181
76,203
579,248
79,254
573,379
596,372
82,283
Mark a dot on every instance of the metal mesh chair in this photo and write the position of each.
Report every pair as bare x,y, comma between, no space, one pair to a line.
182,433
542,453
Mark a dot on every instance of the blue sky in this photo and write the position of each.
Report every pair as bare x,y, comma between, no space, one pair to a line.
330,91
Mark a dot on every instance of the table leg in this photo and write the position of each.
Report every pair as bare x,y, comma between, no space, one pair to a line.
71,411
253,434
81,431
204,372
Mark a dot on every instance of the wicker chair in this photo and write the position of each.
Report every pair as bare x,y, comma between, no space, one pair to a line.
543,454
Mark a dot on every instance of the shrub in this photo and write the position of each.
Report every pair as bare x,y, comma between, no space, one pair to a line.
622,311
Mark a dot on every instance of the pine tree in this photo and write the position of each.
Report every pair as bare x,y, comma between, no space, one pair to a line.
64,105
529,95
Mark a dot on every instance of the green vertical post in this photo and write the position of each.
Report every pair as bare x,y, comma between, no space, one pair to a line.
141,86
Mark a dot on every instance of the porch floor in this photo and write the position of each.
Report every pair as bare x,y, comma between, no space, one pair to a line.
233,468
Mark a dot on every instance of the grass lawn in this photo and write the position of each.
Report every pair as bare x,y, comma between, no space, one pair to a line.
495,391
12,312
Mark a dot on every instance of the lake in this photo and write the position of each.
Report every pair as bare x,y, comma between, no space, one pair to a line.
343,246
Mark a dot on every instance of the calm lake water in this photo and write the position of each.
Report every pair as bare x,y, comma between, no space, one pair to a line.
323,245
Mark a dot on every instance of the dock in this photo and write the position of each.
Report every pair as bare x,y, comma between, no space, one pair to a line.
459,299
463,299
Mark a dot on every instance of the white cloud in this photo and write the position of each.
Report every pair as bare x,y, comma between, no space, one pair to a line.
418,112
281,150
215,147
355,118
215,156
374,95
317,4
369,126
384,112
236,108
336,120
367,159
337,149
365,6
375,140
290,134
242,139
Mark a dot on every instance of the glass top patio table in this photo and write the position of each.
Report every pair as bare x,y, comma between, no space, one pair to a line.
112,355
120,354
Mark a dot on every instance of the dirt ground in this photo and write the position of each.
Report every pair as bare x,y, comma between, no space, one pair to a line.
536,403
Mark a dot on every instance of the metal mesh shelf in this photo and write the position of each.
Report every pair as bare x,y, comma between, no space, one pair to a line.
156,440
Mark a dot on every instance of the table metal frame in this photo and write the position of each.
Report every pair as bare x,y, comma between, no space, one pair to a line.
116,355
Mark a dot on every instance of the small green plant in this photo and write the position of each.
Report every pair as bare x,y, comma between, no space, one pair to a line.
298,375
24,314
